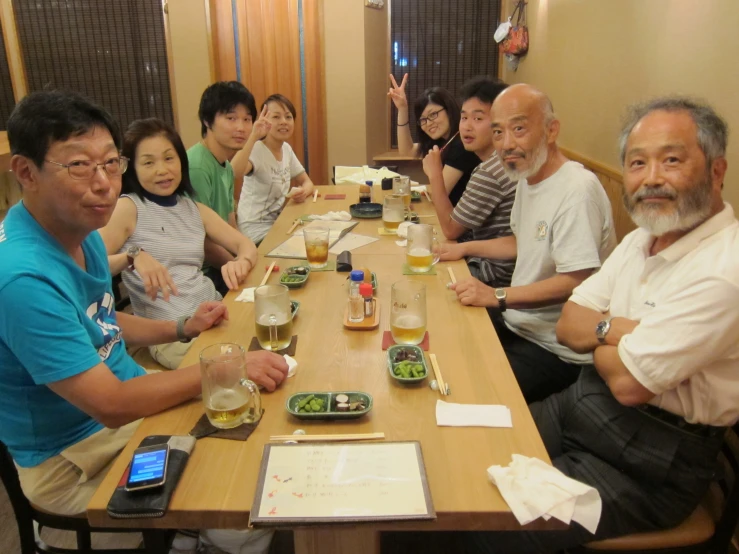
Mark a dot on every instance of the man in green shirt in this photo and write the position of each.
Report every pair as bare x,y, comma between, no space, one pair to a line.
227,113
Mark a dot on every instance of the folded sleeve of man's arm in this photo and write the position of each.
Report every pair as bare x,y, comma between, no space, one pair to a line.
683,334
42,329
596,291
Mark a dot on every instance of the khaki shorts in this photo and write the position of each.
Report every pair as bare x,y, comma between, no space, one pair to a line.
170,355
65,483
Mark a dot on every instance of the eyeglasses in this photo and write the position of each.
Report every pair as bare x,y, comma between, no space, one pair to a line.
85,169
430,117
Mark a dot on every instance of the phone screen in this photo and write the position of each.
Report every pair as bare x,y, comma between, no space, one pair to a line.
148,467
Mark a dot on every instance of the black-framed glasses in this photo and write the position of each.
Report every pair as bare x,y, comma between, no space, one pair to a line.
85,169
430,117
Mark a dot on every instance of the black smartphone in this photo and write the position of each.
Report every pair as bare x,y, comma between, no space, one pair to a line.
148,467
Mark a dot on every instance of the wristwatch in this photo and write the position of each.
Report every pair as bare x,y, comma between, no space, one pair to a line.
500,296
181,336
601,330
131,254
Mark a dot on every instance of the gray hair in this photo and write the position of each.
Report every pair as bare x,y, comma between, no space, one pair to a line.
713,131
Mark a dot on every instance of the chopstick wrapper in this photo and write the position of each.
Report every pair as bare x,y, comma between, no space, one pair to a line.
152,502
449,414
535,489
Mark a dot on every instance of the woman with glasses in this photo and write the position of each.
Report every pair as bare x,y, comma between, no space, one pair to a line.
155,236
437,121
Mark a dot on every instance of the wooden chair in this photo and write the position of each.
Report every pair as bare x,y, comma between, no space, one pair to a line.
708,530
155,541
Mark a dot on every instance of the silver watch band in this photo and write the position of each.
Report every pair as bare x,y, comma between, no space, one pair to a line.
181,328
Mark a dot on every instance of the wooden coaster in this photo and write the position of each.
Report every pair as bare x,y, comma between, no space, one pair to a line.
330,266
367,323
387,341
334,197
385,233
290,350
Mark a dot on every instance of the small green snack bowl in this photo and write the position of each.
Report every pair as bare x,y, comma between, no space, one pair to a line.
331,405
374,283
295,277
403,370
294,307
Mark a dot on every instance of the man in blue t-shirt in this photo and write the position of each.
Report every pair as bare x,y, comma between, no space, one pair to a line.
70,395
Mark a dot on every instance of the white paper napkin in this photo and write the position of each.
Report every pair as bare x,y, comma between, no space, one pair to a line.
246,295
292,365
403,243
535,489
403,229
332,216
417,187
449,414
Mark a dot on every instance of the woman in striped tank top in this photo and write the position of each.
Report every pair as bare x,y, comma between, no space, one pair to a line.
158,223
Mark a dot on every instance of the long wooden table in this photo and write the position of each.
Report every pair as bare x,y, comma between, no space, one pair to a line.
217,488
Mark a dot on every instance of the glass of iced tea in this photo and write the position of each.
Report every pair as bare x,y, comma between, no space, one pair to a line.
393,212
229,397
408,312
402,188
423,248
316,246
273,317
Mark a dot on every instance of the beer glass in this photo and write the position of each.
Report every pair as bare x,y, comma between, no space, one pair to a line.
423,249
273,318
229,397
408,312
393,212
316,247
402,188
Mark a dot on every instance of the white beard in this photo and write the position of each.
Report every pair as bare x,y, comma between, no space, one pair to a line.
539,158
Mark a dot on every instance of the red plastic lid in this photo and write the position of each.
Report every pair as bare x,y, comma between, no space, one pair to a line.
365,289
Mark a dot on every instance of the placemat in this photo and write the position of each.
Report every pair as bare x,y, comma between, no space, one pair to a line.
330,266
407,271
387,341
203,428
290,350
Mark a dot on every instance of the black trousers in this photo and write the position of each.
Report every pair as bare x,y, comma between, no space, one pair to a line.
539,372
216,276
650,474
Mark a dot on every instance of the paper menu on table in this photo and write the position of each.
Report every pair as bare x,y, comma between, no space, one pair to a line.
341,482
336,229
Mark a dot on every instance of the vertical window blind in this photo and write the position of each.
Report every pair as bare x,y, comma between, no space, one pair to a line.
7,100
112,51
441,44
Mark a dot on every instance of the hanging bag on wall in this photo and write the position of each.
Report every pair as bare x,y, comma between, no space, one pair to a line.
517,41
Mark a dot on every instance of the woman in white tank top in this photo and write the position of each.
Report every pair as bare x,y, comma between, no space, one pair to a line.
164,231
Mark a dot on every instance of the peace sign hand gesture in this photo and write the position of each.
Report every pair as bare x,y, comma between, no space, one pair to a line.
397,93
261,125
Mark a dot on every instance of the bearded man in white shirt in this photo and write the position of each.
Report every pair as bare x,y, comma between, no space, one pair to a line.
645,423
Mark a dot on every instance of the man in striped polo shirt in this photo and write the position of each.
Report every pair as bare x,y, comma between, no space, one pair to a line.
484,211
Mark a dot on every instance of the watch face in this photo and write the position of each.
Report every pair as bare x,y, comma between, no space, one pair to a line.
500,294
601,329
133,251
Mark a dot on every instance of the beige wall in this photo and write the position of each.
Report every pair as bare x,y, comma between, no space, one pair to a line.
376,61
346,124
191,61
594,57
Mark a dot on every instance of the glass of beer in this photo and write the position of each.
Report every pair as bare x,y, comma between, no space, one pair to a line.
393,213
316,247
402,188
423,249
229,397
408,312
273,317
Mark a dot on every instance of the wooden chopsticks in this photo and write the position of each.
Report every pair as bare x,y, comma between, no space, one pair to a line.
267,274
330,438
295,224
451,275
449,141
443,386
315,195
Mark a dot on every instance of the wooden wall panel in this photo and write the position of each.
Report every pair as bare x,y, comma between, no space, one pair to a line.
315,77
612,181
222,40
